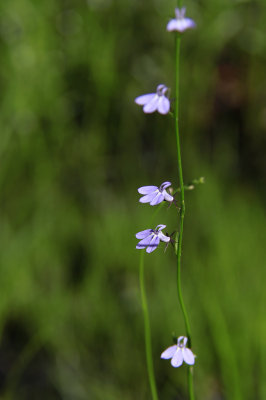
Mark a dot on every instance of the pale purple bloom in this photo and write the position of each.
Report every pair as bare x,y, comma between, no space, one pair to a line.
155,101
150,238
180,23
155,195
179,353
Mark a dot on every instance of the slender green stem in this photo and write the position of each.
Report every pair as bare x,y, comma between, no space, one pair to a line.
147,328
190,383
182,193
182,212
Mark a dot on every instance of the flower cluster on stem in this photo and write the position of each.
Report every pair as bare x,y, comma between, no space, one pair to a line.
154,195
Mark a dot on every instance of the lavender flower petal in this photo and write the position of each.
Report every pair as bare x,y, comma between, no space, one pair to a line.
189,357
144,99
190,24
160,227
145,242
153,244
143,234
161,89
165,185
172,25
163,237
184,24
180,13
147,189
182,341
152,105
167,196
163,105
149,198
159,197
169,353
177,359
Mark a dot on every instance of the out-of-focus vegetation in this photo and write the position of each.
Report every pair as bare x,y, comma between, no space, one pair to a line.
73,150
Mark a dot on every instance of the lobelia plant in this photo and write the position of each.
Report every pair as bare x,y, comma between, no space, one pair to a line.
154,195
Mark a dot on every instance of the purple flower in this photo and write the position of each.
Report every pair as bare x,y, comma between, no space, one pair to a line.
179,353
155,101
151,238
155,195
180,23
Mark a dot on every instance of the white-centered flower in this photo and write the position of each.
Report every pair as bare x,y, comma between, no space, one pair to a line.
154,194
155,101
179,353
150,238
180,23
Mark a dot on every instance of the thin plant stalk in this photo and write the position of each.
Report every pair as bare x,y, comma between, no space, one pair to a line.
182,211
145,310
147,329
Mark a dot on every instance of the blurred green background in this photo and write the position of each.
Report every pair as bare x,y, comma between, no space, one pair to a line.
74,148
